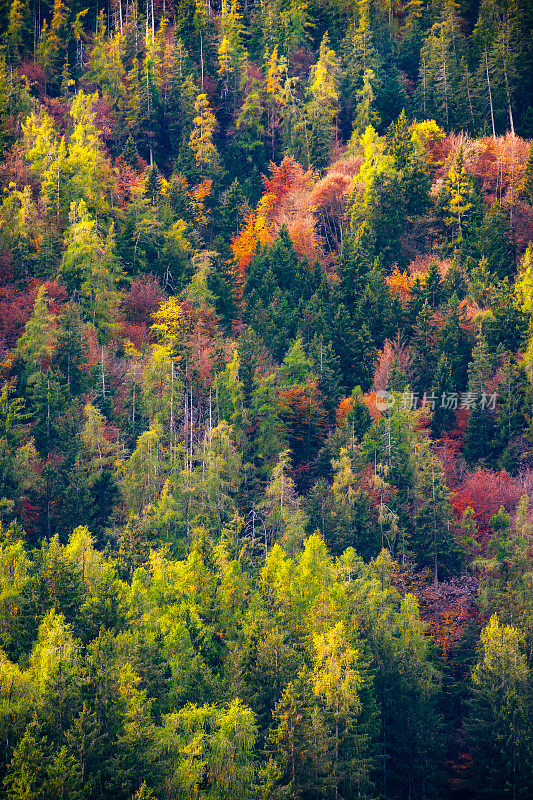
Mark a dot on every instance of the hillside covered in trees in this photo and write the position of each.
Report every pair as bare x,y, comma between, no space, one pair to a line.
266,394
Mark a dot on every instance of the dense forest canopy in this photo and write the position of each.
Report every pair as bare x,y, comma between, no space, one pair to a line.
266,393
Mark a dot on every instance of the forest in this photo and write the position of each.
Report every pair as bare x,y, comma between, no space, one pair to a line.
266,400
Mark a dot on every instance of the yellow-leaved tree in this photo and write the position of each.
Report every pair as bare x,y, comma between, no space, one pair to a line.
231,53
74,168
201,138
322,105
336,681
163,386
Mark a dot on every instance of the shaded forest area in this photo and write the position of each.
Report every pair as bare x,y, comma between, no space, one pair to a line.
266,369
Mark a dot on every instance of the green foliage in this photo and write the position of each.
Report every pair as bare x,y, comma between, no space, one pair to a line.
257,419
500,703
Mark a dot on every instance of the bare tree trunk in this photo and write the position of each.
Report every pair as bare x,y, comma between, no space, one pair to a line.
171,399
469,99
191,420
424,82
445,92
436,576
202,61
490,96
103,373
508,94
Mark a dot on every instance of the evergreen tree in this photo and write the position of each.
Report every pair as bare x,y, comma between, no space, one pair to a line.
460,209
201,138
36,345
497,243
499,718
480,431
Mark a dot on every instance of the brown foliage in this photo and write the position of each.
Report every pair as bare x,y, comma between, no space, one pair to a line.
349,166
138,334
15,309
286,178
142,299
522,226
343,409
499,166
394,354
449,607
301,410
129,182
329,199
15,169
35,76
485,491
303,236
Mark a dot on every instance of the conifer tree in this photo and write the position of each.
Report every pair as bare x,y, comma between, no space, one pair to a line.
231,52
499,718
323,104
201,138
460,209
497,242
36,345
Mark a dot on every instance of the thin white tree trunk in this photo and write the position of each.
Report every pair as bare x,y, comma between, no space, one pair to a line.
490,96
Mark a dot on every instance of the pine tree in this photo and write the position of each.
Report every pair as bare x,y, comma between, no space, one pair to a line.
361,55
323,104
91,267
275,78
443,415
53,41
439,90
152,186
77,169
355,350
410,164
365,113
357,258
16,34
337,682
412,31
499,715
460,209
497,39
432,540
433,286
513,416
300,741
36,345
231,52
145,471
27,773
285,520
201,138
497,243
479,437
130,154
